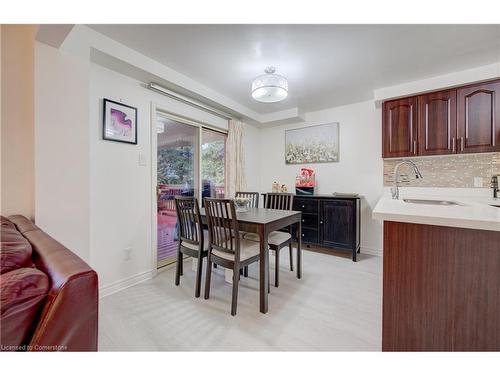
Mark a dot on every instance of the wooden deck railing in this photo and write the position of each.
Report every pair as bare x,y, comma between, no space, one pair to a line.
166,194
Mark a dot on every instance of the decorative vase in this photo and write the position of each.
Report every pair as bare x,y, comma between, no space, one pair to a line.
241,204
276,187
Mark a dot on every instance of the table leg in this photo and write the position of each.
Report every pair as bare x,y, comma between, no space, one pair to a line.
299,249
263,270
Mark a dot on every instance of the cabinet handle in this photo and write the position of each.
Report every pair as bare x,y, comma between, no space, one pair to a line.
453,144
303,221
415,147
321,222
303,206
461,143
302,234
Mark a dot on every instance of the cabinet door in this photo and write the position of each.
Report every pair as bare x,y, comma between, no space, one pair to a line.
337,224
399,128
479,118
437,123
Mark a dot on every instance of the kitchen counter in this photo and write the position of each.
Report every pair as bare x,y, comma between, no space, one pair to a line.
472,212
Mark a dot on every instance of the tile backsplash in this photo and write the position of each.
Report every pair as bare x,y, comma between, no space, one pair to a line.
455,171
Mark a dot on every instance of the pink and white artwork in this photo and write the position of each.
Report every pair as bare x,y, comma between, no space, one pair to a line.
119,122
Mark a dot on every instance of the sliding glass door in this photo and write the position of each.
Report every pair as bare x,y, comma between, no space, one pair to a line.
190,162
177,174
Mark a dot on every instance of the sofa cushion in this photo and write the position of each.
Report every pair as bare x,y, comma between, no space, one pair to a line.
15,250
22,293
6,223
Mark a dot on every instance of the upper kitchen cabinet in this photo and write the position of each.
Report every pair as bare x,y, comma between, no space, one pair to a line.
479,118
464,119
399,127
437,123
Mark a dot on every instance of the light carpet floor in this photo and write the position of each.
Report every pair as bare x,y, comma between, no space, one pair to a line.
336,306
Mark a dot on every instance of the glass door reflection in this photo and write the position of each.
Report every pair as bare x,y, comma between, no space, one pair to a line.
213,158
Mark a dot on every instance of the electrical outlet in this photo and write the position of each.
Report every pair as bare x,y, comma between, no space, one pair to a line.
478,182
127,253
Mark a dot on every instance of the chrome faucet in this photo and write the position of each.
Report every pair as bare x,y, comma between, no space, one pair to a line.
395,189
494,185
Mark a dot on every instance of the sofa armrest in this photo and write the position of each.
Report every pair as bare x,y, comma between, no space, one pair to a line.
69,319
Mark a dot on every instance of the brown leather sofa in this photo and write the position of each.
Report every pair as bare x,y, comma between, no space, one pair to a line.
49,296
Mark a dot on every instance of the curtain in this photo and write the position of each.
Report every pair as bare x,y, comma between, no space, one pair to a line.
235,159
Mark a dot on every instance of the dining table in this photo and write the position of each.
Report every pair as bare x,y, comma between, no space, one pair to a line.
263,221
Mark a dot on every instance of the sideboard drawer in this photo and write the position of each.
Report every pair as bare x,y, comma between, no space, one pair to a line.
310,220
310,235
306,205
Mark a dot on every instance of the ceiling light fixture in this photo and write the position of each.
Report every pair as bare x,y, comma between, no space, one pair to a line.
269,87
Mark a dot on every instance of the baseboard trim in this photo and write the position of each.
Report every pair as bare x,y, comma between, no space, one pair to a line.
116,286
369,251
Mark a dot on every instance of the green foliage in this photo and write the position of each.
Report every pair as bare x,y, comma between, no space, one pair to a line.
176,164
212,162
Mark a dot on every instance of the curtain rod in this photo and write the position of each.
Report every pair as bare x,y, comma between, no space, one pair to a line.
187,100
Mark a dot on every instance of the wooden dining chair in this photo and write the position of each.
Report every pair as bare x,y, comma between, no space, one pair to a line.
193,240
277,239
225,246
252,196
253,203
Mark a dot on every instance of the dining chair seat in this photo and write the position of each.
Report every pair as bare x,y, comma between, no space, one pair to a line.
194,246
275,238
251,236
248,249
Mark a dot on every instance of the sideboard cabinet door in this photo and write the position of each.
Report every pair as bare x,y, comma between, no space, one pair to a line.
337,223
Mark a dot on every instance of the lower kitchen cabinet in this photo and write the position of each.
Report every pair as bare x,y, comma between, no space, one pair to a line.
441,288
330,222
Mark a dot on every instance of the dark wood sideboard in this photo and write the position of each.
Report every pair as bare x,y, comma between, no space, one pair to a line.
330,221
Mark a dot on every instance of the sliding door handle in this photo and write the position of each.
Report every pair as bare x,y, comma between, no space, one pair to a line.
415,147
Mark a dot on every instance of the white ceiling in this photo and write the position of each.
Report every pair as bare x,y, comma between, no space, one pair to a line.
326,65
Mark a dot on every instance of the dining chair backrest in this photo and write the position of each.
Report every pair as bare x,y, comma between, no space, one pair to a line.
252,196
278,201
189,220
223,226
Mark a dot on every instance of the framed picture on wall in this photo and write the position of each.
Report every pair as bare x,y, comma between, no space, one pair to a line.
119,122
313,144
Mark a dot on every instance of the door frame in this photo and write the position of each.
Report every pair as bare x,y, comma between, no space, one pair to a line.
155,109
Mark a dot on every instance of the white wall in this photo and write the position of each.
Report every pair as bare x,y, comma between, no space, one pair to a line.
17,120
360,169
62,147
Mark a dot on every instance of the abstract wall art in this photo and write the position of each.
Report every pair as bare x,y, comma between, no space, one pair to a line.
119,122
313,144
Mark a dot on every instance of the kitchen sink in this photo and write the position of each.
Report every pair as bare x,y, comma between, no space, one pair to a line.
432,201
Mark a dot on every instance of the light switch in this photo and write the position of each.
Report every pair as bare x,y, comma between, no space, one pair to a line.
478,182
142,160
